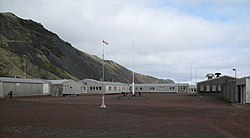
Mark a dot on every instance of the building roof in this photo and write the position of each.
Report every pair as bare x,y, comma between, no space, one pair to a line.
19,80
105,82
155,85
59,81
246,77
216,78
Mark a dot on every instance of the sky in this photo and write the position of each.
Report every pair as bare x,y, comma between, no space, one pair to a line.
182,40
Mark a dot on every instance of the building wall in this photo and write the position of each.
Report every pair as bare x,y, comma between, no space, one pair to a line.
248,90
99,87
213,86
116,88
182,88
95,87
192,89
1,90
83,88
229,92
163,88
156,88
46,89
71,87
56,90
22,89
243,90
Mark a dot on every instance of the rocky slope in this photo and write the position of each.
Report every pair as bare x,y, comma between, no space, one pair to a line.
27,45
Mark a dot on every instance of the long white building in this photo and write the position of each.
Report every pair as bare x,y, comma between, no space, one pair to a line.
166,88
94,86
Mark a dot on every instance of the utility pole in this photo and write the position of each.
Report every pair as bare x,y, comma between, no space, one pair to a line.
24,69
133,75
103,94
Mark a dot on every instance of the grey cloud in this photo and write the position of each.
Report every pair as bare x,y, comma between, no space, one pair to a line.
167,41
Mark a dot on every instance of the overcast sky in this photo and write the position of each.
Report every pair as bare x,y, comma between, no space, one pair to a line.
170,36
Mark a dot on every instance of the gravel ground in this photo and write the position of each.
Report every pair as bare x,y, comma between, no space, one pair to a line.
154,115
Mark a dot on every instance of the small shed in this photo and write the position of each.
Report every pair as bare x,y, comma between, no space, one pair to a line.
64,87
23,87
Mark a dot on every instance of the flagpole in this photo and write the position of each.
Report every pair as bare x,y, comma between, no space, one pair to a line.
133,83
103,94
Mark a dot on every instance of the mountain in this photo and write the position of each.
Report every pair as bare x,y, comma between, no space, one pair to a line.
26,46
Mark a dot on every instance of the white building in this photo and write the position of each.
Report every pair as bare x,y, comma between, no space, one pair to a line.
65,87
23,87
163,88
98,87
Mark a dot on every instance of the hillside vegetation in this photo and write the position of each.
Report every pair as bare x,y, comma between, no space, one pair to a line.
25,44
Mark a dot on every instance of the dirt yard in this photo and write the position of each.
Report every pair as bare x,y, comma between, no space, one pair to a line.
158,115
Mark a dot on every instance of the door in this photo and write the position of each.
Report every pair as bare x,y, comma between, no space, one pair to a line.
45,89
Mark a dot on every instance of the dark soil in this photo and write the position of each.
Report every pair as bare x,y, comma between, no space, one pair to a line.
157,115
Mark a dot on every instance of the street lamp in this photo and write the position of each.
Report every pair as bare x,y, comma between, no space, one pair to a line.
235,73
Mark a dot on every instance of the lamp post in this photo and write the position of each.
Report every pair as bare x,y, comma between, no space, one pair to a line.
103,94
235,72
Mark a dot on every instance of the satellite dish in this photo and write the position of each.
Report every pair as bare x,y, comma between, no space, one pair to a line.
217,74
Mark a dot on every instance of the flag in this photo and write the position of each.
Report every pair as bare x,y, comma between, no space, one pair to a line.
105,42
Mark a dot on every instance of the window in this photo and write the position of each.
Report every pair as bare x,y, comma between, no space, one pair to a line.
213,88
109,88
201,88
96,88
140,88
114,88
219,88
91,88
153,88
100,88
207,88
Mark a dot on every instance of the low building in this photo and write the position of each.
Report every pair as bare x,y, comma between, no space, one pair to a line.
237,91
97,87
23,87
163,88
231,89
192,89
183,87
65,87
213,86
